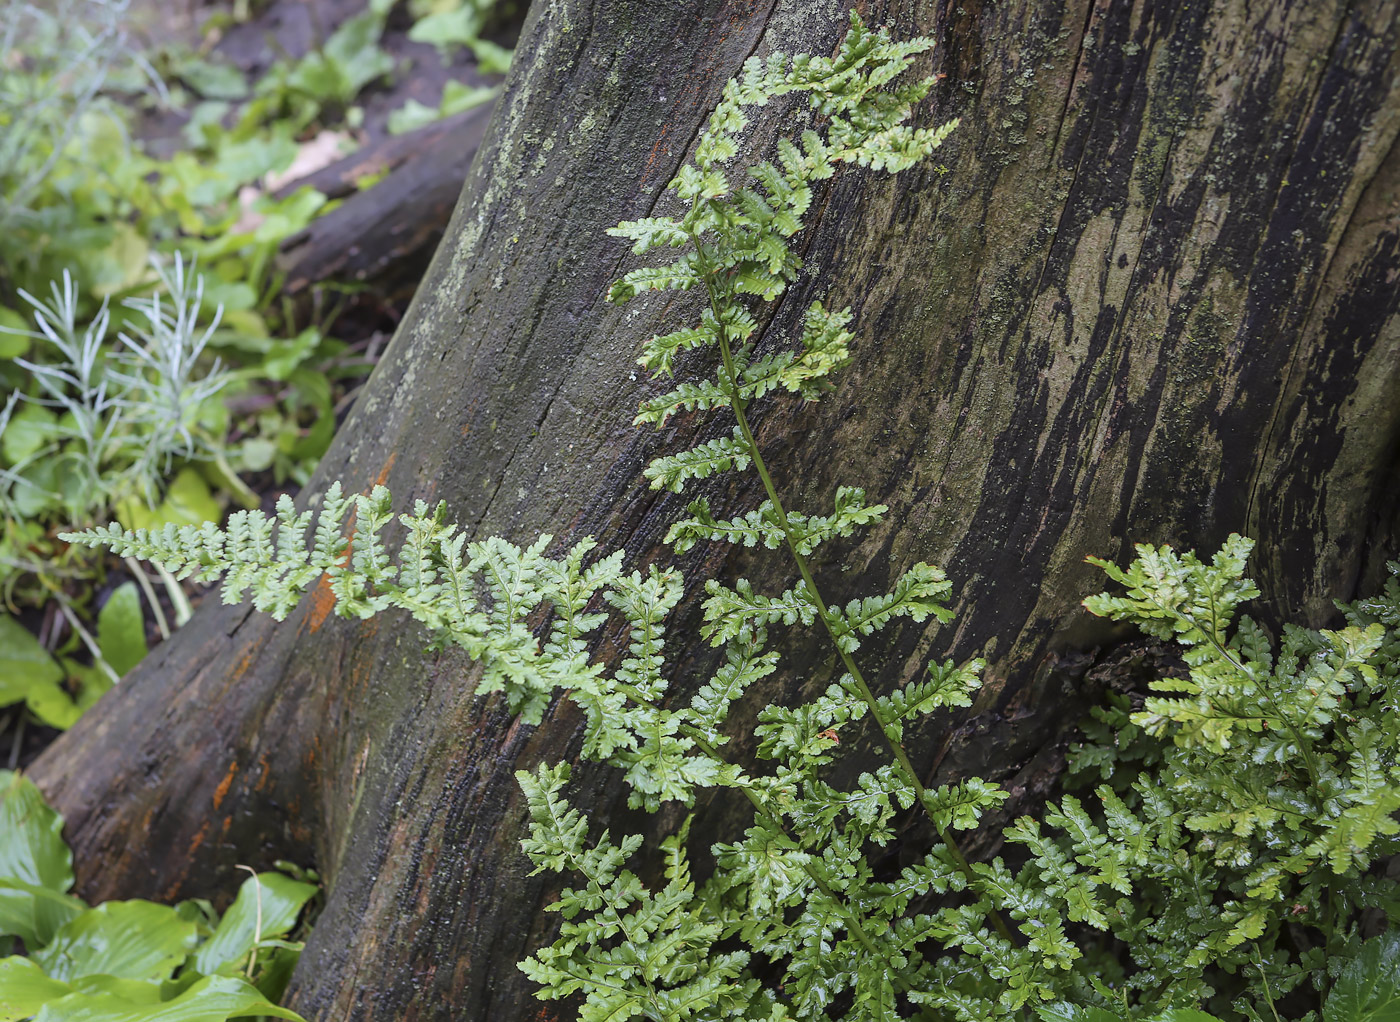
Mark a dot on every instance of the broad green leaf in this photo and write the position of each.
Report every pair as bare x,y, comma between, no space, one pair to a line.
491,58
354,47
24,666
134,990
212,999
292,353
34,913
32,849
1066,1012
284,217
410,116
118,265
349,61
187,502
30,428
92,681
1368,990
24,988
36,867
213,80
445,29
126,939
242,160
36,488
12,345
256,454
267,906
121,629
457,97
53,706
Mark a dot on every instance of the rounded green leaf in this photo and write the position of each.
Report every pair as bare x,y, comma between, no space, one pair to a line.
36,867
32,849
1066,1012
24,666
30,429
1368,990
126,939
24,988
267,906
212,999
12,345
121,630
34,913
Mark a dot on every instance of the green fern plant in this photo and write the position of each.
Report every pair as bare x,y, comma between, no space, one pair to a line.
1132,905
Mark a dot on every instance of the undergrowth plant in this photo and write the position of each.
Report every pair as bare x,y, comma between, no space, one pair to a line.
115,423
84,197
132,960
129,386
111,415
1238,875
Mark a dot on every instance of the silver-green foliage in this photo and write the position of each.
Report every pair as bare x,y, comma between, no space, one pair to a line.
1132,904
111,415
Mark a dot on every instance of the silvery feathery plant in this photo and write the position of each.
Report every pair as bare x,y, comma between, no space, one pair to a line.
110,414
1126,907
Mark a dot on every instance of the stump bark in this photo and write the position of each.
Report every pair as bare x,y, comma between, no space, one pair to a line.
1153,298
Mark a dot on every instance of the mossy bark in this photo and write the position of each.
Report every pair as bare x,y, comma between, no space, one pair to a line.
1152,299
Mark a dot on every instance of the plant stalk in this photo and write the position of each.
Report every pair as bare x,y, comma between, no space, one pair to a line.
736,402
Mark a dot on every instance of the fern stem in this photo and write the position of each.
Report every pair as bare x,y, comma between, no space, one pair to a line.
736,401
1268,994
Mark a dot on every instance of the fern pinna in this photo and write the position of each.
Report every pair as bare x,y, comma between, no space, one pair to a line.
1132,904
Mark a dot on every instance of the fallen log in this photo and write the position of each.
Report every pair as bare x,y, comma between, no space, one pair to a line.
384,236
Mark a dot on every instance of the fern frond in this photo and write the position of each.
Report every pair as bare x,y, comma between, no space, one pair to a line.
255,550
947,686
745,663
719,455
739,612
650,232
1058,876
677,276
804,736
1171,595
918,594
761,525
757,526
686,397
477,596
629,950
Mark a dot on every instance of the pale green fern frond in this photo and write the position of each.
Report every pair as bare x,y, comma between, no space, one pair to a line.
478,596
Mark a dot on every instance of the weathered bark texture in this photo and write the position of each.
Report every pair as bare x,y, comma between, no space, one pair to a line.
1153,299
